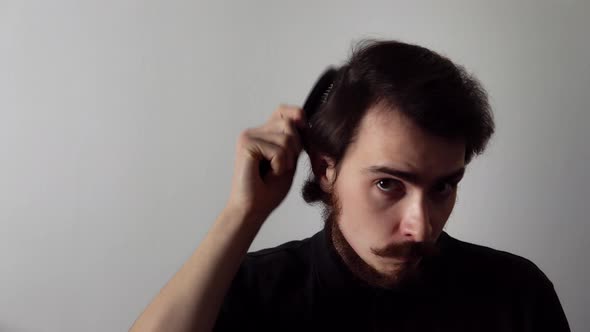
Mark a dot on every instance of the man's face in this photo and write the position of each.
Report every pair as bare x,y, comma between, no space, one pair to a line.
396,186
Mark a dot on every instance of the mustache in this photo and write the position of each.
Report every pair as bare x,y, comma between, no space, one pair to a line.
411,250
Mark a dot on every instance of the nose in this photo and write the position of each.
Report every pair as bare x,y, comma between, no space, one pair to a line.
415,224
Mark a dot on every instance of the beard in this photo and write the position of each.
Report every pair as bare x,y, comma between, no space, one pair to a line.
404,274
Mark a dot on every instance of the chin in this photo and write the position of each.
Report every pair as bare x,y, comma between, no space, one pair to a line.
387,265
391,265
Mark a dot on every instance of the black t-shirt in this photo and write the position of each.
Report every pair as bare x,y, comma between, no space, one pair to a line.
305,286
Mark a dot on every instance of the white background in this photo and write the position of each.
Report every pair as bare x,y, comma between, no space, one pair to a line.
118,121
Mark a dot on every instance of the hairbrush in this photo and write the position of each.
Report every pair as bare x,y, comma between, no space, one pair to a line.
316,98
319,94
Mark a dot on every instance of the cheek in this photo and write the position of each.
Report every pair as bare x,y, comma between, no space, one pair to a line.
357,203
362,215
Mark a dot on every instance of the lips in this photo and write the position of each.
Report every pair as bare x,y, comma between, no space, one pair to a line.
401,260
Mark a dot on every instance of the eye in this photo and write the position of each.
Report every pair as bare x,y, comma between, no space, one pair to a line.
389,185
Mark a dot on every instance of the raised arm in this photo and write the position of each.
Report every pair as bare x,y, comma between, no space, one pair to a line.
191,300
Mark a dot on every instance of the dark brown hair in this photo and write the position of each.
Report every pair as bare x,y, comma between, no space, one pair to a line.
438,95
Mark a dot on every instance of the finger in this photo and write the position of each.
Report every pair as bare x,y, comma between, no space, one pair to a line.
292,113
286,128
277,156
285,142
261,149
291,143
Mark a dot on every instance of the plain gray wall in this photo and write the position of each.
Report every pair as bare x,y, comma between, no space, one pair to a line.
118,121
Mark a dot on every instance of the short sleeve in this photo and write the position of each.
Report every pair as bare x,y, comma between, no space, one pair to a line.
543,309
238,307
548,312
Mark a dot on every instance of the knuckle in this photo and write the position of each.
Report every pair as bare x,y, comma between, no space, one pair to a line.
298,112
280,109
244,136
285,106
276,150
291,111
283,126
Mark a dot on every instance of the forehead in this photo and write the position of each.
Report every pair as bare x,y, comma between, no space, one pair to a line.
387,137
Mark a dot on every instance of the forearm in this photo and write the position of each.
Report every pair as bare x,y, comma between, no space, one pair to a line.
191,300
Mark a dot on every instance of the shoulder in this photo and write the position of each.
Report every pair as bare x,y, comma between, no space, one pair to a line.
262,280
508,281
285,266
489,264
289,253
286,262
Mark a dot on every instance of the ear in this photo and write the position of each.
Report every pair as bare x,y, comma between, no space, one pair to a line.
324,169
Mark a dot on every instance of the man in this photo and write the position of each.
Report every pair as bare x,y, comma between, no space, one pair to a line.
387,149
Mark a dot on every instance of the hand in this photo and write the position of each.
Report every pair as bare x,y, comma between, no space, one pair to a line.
277,141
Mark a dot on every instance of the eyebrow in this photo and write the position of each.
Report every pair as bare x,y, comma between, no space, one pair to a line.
413,177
